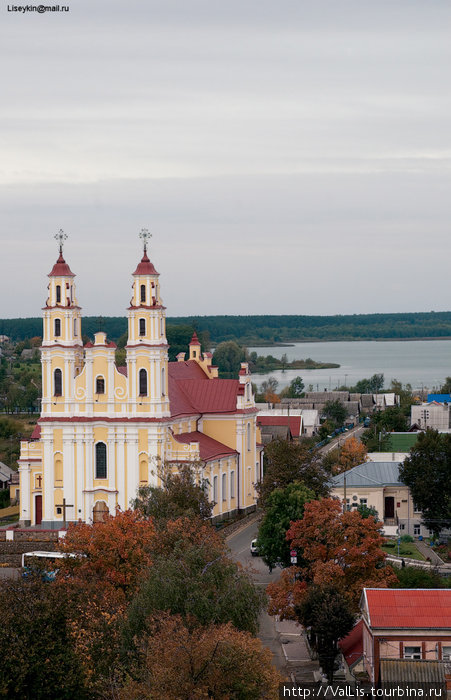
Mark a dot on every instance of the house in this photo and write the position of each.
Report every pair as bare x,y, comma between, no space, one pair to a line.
14,488
273,427
407,626
5,475
105,430
434,414
378,485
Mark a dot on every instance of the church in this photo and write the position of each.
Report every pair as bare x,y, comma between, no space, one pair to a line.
105,430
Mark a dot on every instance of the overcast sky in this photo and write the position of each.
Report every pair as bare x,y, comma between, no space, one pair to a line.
289,157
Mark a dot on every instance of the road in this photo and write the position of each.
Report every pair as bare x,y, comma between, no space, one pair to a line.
339,440
239,544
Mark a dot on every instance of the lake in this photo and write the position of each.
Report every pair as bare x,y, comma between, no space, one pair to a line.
422,363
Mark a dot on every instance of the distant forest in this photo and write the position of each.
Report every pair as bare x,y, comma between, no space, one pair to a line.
267,330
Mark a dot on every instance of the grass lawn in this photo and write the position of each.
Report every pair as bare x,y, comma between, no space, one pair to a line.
407,550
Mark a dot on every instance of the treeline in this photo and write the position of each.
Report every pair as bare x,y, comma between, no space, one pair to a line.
251,330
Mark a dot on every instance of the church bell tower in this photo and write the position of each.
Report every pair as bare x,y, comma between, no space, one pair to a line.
147,348
62,346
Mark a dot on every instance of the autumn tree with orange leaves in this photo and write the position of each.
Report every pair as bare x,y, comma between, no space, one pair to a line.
112,553
337,549
179,661
350,454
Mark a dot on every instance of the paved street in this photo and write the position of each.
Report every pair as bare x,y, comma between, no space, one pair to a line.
339,439
282,638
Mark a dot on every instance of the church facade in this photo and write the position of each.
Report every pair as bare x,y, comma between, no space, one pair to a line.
105,430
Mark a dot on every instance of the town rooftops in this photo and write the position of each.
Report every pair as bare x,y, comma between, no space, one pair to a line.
369,474
407,608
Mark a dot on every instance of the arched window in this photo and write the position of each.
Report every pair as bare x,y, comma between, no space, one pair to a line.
142,326
142,382
57,382
75,328
248,436
57,327
163,382
143,294
58,294
100,385
100,460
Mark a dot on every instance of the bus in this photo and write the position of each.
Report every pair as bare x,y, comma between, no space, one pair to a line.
45,563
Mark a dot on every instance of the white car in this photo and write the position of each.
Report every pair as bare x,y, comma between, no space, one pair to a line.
254,548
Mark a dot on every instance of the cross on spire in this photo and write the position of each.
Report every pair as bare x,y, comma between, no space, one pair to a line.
60,237
145,235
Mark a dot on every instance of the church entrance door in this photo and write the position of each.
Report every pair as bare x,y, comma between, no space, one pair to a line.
99,512
38,509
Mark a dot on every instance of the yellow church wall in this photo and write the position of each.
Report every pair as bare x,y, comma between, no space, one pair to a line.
57,499
223,430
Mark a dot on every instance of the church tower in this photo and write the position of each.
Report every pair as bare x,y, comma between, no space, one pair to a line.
62,346
147,348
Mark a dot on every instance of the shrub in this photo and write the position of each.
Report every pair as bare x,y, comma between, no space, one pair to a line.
407,538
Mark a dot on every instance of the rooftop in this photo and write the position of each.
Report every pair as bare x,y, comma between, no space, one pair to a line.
408,608
369,474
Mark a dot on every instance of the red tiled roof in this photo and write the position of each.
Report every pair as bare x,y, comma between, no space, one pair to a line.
36,434
409,608
208,447
212,396
145,267
61,268
191,391
352,645
294,422
194,340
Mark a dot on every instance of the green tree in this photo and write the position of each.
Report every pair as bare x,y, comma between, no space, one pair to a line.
427,472
367,511
281,507
38,658
228,357
328,614
446,388
296,388
180,494
285,462
192,575
335,411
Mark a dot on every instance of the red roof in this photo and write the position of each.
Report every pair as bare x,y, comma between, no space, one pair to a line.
145,267
409,608
208,447
294,422
352,645
61,268
191,391
194,340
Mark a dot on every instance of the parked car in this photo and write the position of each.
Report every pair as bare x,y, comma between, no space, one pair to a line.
254,548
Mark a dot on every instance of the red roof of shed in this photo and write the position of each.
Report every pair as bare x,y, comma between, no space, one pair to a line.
294,422
409,608
352,645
